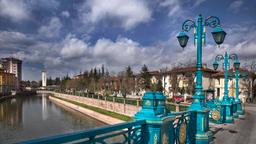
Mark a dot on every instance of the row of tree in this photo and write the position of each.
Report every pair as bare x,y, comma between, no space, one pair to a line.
99,80
126,82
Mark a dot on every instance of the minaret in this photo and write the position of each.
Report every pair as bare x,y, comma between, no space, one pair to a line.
44,79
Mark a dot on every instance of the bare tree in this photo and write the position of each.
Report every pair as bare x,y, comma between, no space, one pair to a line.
174,82
191,83
251,87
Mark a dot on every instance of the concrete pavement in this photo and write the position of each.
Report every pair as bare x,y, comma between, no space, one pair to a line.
243,131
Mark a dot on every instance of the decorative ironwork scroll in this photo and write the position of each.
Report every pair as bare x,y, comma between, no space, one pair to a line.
188,24
184,127
212,21
233,56
219,57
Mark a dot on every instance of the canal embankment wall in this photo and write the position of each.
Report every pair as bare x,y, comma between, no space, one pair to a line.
101,117
120,108
23,93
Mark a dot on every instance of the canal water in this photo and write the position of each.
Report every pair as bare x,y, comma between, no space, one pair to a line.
29,117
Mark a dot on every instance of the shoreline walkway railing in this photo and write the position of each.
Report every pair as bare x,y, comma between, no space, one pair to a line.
172,107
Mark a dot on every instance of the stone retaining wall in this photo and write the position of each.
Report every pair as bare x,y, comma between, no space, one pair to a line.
101,117
120,108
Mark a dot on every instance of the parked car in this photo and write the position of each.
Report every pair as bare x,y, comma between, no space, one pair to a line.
178,99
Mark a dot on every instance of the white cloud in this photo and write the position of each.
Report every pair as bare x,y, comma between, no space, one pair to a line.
14,9
74,54
65,14
198,2
51,62
49,4
52,29
73,47
121,52
173,6
178,9
129,13
12,36
236,6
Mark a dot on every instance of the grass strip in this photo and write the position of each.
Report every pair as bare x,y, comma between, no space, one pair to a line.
99,110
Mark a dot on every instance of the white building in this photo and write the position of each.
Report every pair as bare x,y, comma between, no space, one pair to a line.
245,85
184,80
44,79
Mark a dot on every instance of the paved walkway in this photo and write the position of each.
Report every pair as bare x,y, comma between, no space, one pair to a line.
243,131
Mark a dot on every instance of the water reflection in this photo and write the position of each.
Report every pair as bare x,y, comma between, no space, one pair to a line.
11,112
44,106
36,116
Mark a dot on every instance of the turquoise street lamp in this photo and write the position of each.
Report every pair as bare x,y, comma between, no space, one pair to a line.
232,99
203,135
227,115
239,109
183,39
237,100
218,35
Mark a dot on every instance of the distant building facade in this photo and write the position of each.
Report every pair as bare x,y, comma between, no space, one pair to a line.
8,82
178,81
182,80
12,65
245,84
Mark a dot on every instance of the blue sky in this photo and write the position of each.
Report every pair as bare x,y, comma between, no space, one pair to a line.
69,36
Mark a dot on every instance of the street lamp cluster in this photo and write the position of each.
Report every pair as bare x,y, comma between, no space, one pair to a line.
198,103
200,37
203,134
228,104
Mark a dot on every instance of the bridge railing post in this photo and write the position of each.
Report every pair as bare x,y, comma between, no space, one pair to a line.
179,127
153,111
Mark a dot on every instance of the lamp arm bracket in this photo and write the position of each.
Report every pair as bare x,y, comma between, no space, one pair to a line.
188,24
233,56
212,21
219,57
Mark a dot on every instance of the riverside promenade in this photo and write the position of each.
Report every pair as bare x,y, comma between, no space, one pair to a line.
243,131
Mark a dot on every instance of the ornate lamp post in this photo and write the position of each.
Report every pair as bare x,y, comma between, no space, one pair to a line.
239,109
227,115
232,99
198,103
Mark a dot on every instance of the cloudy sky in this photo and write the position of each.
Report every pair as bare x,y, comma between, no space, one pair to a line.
69,36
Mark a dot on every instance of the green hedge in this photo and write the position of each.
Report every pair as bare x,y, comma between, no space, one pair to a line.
183,108
119,100
172,107
131,101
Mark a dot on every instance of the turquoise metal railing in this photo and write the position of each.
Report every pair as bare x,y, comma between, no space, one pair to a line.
124,133
184,127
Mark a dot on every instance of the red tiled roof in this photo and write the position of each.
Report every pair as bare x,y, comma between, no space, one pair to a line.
154,72
241,70
191,69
